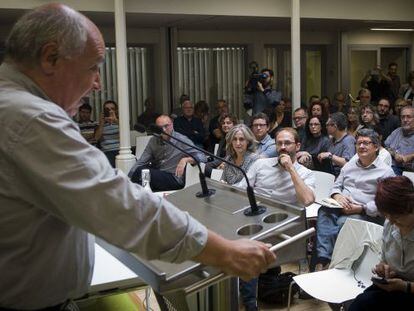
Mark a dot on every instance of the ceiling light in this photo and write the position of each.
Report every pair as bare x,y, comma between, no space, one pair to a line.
392,29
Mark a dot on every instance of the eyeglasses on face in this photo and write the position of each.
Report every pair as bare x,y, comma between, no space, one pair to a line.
165,126
363,143
286,143
259,125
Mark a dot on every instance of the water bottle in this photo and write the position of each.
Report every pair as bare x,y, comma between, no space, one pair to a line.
145,179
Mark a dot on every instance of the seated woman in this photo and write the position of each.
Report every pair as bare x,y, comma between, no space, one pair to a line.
353,120
226,122
318,109
316,141
395,201
240,147
279,118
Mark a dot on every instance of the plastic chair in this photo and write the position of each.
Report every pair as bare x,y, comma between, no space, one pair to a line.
323,185
409,175
133,137
191,175
141,143
357,250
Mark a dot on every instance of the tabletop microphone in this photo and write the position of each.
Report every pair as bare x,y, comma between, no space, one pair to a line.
254,208
205,191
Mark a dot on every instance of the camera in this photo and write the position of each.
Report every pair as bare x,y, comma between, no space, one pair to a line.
254,77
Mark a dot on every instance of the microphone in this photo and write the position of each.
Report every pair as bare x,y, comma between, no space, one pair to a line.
254,208
205,191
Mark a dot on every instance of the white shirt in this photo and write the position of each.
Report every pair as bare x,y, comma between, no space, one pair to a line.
55,187
267,177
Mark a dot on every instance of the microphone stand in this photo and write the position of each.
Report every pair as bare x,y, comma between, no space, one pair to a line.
205,191
254,208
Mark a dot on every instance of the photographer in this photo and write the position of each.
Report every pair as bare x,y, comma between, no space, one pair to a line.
259,95
378,83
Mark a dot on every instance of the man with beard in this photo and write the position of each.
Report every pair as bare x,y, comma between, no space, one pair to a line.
263,98
388,122
281,178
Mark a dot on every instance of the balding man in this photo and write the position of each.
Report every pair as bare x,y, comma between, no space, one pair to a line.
165,162
55,187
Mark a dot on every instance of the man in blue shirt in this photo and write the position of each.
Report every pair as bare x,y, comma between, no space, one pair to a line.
266,147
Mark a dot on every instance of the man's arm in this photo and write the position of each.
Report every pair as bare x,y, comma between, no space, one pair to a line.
304,193
243,258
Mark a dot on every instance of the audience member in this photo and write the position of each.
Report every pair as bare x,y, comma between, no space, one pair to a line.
265,144
368,117
149,115
378,83
312,98
407,90
317,109
86,125
299,119
283,179
398,105
400,143
354,190
353,120
107,132
214,127
326,103
264,97
201,111
189,125
342,147
315,142
226,121
279,119
165,162
395,201
364,96
338,103
387,122
240,150
395,82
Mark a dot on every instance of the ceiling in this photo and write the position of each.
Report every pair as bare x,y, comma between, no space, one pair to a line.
230,23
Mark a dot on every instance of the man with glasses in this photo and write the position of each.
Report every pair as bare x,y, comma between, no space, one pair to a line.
283,178
299,119
265,144
401,142
364,96
166,163
342,147
354,190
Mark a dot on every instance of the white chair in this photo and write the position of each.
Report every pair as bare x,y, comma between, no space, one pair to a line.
216,174
191,175
133,137
323,185
357,250
141,143
409,175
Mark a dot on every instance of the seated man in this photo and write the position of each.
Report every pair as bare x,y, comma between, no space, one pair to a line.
283,179
401,142
354,190
166,163
342,147
86,125
265,144
189,125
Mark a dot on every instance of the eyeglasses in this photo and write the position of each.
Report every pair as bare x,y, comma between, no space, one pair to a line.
363,143
165,126
284,143
314,124
259,125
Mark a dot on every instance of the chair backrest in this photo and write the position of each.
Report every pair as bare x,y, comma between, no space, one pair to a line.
141,143
191,175
216,174
409,175
133,137
323,185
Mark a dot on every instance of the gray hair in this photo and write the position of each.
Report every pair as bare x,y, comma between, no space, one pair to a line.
371,134
340,120
247,133
49,23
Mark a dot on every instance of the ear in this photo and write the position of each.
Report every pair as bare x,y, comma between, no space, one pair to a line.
48,58
298,146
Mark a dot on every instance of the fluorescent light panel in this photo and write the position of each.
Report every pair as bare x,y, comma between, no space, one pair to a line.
392,29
